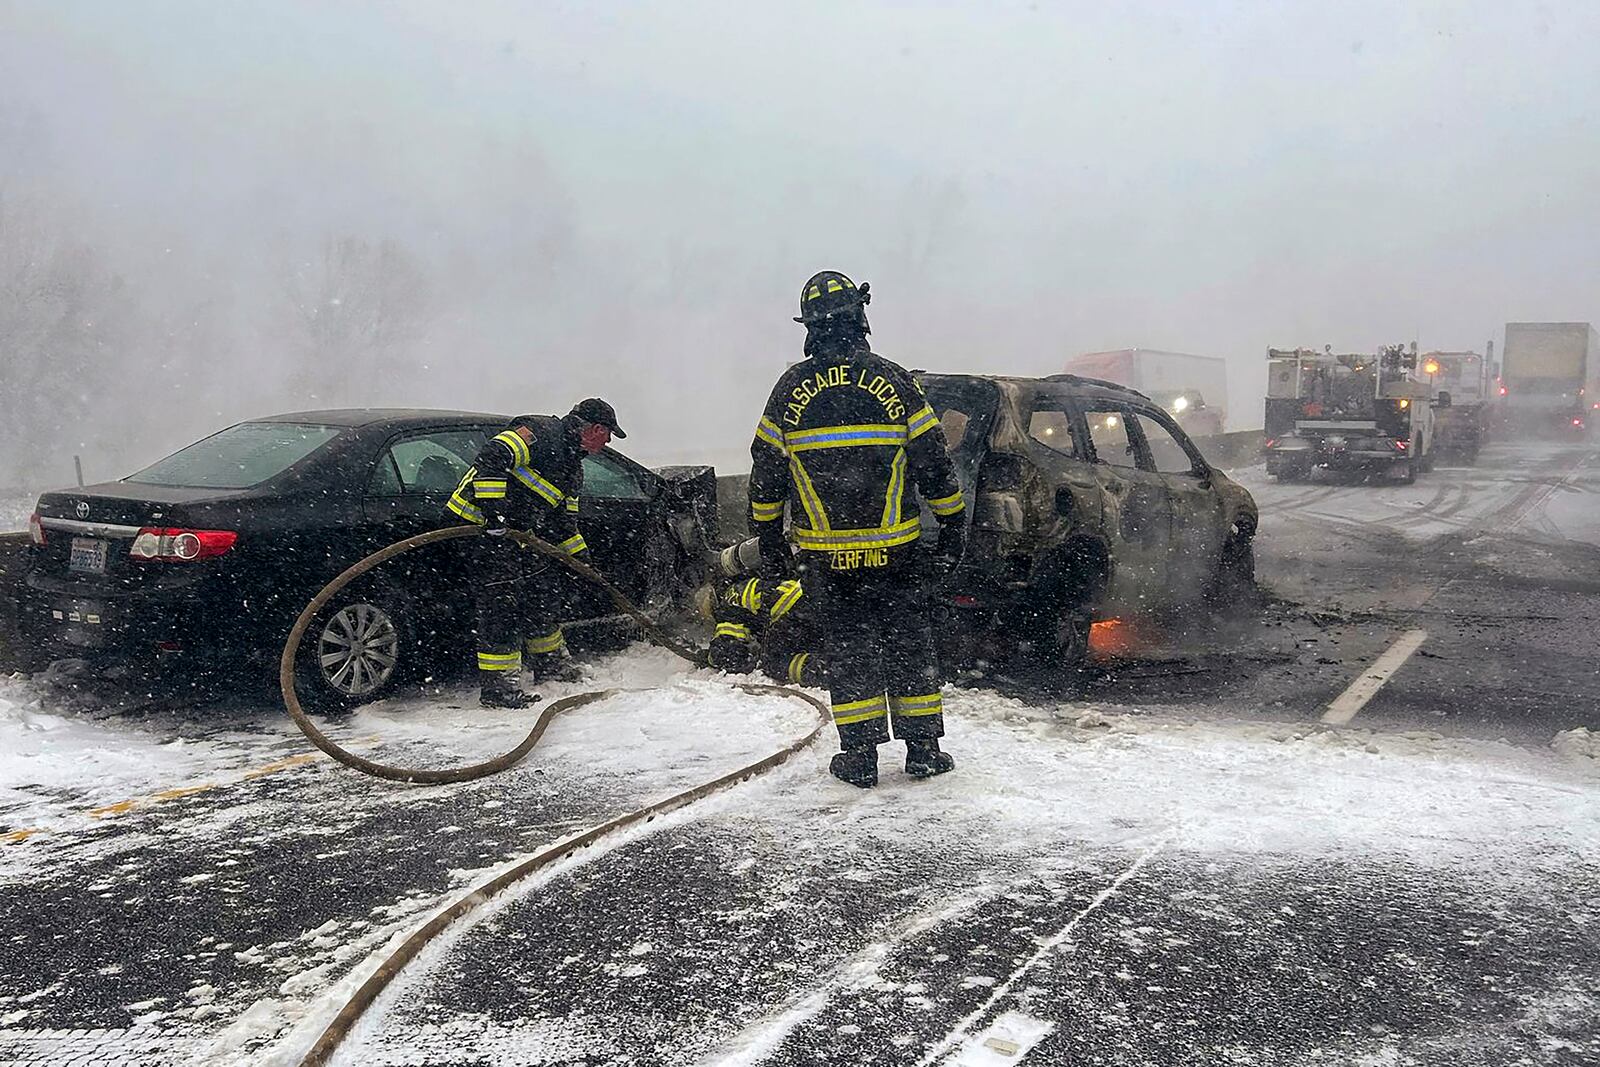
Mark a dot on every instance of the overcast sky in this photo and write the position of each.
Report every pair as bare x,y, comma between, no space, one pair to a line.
623,199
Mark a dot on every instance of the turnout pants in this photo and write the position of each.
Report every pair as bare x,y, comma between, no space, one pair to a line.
519,600
877,644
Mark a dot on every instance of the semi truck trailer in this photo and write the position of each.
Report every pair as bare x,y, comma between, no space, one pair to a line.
1193,389
1550,378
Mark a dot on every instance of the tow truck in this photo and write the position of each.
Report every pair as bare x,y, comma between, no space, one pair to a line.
1347,412
1459,382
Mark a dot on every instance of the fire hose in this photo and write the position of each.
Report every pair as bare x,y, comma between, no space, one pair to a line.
286,665
391,966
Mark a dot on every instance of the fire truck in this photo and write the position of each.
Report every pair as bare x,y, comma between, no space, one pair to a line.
1363,412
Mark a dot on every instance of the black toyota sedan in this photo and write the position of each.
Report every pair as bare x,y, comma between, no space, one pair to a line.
208,555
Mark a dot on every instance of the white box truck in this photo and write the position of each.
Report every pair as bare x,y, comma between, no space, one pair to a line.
1550,378
1194,389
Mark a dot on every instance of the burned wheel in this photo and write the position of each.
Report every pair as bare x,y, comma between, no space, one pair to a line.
1235,582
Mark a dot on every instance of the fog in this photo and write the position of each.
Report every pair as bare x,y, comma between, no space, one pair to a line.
215,210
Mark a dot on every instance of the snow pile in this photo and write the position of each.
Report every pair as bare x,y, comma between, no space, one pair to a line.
45,756
1578,744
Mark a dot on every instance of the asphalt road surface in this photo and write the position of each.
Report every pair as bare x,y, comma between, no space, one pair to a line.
1178,861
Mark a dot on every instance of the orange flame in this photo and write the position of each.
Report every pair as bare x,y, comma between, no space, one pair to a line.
1114,638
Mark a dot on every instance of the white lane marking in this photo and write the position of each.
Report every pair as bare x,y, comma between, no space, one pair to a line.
942,1049
1364,688
1011,1037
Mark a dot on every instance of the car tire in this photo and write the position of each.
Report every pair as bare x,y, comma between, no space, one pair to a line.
355,651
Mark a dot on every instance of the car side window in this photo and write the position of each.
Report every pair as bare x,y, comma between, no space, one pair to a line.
1108,432
607,478
1166,452
1052,427
431,462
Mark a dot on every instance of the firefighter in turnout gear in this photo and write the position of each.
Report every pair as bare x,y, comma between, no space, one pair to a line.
846,443
528,476
764,623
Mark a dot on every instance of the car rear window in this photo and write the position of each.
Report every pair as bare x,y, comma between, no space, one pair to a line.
239,457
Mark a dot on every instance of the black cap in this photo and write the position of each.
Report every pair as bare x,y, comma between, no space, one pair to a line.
600,413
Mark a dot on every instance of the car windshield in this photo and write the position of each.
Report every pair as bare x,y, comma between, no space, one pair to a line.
239,457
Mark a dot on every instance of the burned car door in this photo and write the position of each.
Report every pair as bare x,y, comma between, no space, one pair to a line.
1197,524
1138,512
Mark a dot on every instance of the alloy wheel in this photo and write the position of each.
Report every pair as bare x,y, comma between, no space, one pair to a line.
358,650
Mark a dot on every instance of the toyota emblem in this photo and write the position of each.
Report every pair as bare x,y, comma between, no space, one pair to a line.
83,509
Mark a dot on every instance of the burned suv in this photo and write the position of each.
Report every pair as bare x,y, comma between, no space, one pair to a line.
1086,502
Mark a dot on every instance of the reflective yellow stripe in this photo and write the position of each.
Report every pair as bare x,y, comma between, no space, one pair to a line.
575,544
834,286
896,492
927,704
497,661
572,504
467,511
845,436
860,710
750,595
797,667
840,540
921,422
788,595
761,511
733,629
808,495
550,642
513,440
948,505
771,433
489,488
813,293
539,484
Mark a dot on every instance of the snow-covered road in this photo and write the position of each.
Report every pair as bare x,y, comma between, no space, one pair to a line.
1178,865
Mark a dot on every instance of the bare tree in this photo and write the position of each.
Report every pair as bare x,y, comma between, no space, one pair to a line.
359,312
64,315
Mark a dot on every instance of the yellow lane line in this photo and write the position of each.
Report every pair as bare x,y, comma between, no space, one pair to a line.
122,807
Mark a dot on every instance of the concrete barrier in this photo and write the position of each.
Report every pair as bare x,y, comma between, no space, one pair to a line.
1230,450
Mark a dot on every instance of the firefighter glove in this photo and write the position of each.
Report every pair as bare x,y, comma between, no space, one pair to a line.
952,546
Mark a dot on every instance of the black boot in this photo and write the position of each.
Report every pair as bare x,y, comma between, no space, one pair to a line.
858,766
924,760
557,669
499,690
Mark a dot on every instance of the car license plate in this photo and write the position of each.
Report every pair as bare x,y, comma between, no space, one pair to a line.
88,555
1335,441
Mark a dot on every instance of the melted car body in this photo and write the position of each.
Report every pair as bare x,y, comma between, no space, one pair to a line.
1086,501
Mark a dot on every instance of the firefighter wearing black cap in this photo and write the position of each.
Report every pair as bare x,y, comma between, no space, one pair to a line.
528,476
847,441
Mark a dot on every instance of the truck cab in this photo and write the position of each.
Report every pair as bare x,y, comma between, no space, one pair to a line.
1459,389
1347,412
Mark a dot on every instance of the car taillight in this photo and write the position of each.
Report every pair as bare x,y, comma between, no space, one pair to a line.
35,529
1578,423
1272,442
1402,445
180,546
1502,390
